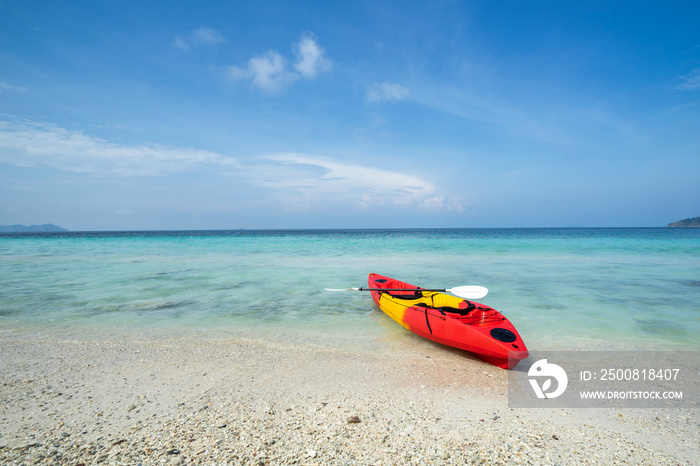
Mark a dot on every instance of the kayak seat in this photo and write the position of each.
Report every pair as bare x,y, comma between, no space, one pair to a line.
411,295
444,309
456,310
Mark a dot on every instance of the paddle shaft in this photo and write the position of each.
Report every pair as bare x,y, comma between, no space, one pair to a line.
466,292
400,289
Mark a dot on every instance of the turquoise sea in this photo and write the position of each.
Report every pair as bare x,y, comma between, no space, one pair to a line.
562,288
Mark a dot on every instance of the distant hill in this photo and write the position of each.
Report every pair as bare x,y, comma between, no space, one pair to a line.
49,227
688,222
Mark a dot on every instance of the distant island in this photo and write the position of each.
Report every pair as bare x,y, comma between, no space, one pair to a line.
687,223
49,227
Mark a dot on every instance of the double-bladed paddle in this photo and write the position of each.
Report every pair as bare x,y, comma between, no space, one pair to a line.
466,292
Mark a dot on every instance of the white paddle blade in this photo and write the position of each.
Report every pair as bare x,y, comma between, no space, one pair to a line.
342,289
469,292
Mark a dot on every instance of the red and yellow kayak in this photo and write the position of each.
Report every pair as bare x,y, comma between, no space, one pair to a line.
450,320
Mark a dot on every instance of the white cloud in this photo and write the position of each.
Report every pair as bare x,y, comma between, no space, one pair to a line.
269,72
692,81
345,183
440,204
202,36
291,180
31,144
386,91
311,58
208,36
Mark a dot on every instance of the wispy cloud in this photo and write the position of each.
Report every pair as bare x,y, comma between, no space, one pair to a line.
198,37
513,118
269,71
5,87
386,91
293,180
32,144
691,81
344,183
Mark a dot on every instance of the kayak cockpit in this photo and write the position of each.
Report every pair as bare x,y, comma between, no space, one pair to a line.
453,310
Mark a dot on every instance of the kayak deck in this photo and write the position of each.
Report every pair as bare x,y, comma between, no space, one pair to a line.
450,320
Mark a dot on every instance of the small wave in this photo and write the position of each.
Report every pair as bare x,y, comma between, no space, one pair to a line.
134,306
155,305
661,327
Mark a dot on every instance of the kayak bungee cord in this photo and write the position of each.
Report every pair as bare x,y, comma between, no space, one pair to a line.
494,317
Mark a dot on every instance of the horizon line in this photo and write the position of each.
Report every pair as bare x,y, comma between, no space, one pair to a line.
337,229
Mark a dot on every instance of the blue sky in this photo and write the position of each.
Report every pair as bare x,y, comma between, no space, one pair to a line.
118,115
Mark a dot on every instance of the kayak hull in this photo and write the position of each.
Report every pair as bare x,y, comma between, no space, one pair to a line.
451,321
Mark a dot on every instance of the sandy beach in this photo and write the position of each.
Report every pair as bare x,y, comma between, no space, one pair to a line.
247,401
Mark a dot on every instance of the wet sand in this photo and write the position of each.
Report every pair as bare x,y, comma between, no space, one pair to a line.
239,400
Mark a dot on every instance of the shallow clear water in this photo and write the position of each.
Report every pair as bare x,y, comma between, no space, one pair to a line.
561,288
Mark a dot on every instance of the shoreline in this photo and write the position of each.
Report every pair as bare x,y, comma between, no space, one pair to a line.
248,401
